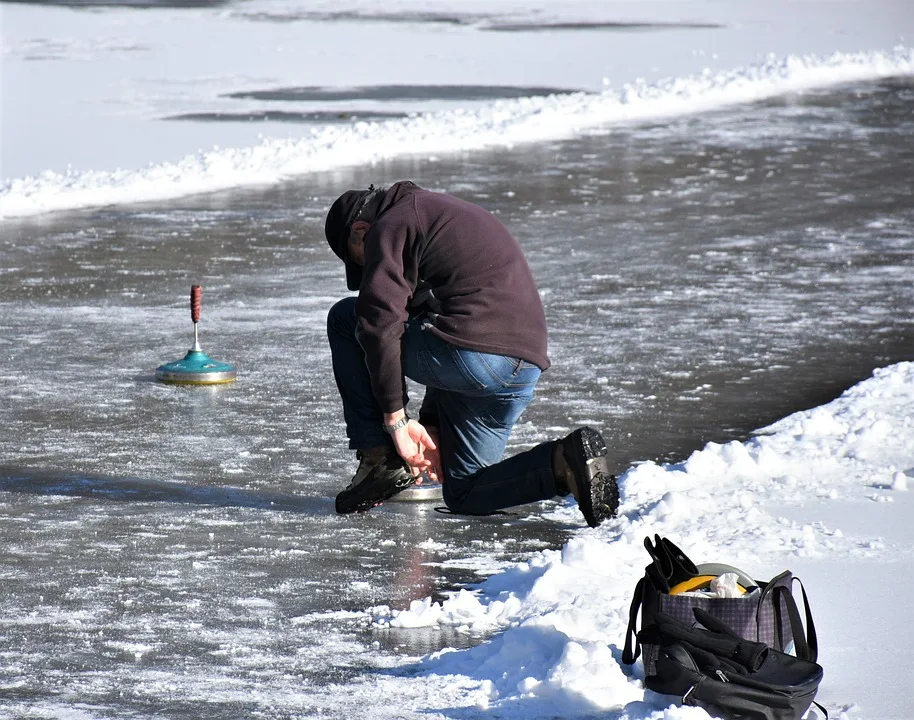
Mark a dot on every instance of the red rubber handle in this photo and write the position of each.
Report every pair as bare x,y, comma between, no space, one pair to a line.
196,297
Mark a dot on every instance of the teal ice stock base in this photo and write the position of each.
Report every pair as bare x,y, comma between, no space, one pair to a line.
196,368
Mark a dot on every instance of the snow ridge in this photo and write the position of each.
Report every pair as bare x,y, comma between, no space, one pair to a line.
502,123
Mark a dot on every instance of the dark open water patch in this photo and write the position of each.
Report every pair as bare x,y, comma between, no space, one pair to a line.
481,21
596,25
399,92
151,4
321,117
426,17
370,94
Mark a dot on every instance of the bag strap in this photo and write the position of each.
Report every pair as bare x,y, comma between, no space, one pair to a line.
807,644
630,653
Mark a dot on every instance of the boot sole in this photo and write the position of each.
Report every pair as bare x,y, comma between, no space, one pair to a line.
600,499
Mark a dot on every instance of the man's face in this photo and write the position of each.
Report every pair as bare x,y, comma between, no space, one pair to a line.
355,246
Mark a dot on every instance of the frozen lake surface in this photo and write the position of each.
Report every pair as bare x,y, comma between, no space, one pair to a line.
715,198
173,552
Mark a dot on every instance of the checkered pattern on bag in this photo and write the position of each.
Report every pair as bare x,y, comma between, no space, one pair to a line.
762,618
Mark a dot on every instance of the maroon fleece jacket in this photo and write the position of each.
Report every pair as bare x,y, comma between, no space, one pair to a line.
489,300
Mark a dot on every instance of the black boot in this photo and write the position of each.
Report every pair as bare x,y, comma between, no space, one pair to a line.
580,467
381,475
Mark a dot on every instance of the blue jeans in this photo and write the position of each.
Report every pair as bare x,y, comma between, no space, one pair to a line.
473,398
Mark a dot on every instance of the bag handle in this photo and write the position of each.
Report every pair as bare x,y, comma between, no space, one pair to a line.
807,644
631,651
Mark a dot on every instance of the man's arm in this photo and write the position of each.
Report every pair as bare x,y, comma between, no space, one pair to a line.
382,306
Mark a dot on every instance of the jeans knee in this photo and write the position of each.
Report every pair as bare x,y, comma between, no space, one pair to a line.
457,496
453,499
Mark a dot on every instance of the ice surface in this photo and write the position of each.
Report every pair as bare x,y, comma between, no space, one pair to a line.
173,554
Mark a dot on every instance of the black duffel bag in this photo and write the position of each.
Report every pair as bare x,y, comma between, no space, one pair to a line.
769,614
716,669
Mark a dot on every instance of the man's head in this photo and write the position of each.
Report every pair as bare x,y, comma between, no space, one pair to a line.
347,223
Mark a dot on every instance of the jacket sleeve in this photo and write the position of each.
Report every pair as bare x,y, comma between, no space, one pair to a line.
388,282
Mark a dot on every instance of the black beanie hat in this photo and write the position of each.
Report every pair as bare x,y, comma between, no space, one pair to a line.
345,211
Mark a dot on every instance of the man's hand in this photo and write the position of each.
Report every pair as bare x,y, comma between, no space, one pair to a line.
412,443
